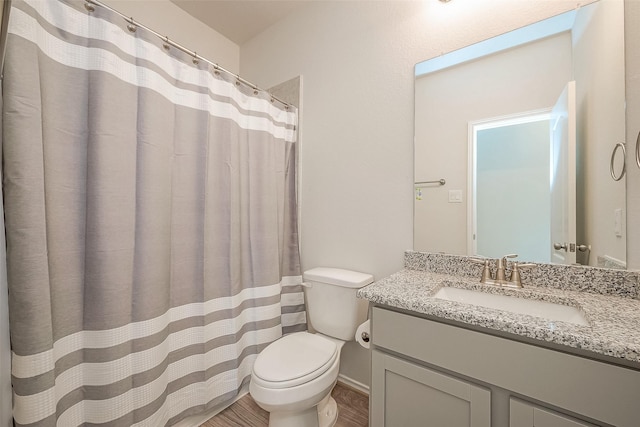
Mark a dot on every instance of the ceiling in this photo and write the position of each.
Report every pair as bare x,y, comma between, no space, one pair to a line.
239,20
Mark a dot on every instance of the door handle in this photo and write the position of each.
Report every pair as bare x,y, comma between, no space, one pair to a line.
572,246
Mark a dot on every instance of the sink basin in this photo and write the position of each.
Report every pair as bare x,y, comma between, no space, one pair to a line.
544,309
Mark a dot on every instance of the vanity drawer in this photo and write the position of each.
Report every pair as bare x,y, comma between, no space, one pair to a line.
596,390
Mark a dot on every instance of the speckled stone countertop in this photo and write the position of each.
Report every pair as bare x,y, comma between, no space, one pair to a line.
612,310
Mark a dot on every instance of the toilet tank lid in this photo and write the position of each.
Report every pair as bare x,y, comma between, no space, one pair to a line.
338,276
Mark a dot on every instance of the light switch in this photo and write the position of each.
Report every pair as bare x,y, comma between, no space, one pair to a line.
455,196
617,221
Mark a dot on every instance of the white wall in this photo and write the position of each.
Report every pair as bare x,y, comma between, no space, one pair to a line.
632,59
514,81
356,59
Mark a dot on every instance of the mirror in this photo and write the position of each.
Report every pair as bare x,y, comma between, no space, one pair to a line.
477,111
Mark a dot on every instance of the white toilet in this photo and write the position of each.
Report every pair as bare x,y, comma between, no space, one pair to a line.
292,378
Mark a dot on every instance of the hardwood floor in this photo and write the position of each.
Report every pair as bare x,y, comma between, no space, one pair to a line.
353,411
353,406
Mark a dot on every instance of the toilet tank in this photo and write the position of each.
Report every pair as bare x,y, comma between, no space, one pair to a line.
332,305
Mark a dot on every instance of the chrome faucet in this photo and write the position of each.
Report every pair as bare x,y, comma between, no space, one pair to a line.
514,281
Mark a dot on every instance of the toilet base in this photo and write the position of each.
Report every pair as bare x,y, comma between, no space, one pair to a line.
327,412
307,418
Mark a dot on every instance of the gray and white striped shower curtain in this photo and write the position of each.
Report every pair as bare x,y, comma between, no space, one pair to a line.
150,220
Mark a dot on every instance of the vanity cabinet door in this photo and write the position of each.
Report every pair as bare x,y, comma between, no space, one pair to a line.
523,414
409,395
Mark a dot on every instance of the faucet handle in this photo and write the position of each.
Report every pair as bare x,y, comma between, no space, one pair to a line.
516,278
486,270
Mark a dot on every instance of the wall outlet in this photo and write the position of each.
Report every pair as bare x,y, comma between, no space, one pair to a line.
455,196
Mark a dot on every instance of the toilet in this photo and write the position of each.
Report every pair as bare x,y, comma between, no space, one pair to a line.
292,378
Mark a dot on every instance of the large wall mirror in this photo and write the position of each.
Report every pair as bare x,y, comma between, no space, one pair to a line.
514,139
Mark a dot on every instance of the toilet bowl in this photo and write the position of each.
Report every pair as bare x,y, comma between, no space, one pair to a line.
292,378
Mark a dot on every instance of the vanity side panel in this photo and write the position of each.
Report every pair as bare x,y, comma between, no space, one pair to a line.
593,389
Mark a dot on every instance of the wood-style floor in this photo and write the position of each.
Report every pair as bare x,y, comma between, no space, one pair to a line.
353,411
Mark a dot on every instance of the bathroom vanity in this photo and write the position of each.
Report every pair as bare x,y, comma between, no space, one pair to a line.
437,362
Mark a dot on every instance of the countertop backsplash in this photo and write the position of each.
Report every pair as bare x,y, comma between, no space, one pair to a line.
603,281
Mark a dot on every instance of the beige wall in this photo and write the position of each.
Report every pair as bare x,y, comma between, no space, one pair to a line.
599,70
166,18
356,59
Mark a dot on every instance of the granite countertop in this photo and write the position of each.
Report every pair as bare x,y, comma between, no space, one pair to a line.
614,321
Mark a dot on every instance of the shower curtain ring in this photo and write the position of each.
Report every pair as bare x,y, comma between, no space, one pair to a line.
216,69
132,25
166,45
89,7
195,59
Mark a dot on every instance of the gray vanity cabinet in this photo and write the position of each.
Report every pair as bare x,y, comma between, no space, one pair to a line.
411,395
524,414
428,373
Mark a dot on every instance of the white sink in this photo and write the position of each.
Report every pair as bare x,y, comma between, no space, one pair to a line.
544,309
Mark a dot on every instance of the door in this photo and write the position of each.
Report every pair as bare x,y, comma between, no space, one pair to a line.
509,154
563,177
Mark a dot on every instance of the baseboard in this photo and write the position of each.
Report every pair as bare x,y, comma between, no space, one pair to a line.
199,419
356,385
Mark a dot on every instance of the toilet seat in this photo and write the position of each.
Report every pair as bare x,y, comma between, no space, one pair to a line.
293,360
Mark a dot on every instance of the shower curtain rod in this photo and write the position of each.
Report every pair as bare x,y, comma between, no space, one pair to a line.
178,46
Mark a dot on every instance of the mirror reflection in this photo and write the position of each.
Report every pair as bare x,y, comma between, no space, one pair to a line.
521,129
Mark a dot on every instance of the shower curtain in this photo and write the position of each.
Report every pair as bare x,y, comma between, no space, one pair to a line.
150,222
